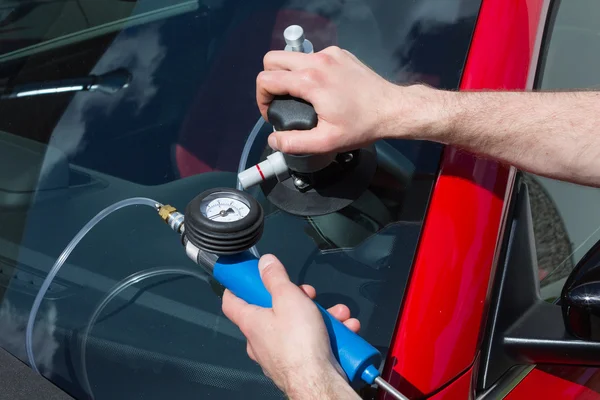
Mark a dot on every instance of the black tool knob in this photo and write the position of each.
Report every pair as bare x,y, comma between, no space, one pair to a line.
291,113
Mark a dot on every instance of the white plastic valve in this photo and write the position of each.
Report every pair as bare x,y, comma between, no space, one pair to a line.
273,166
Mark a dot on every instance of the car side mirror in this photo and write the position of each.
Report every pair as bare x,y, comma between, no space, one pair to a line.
580,297
522,329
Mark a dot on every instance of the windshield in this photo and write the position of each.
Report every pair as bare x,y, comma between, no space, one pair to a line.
103,101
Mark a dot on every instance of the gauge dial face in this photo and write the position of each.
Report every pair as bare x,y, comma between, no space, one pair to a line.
224,209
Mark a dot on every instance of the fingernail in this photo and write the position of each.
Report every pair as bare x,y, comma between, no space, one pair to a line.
273,142
265,261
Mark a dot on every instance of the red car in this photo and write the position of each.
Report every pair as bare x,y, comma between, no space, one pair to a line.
453,263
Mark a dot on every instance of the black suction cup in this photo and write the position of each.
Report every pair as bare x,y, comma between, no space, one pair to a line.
319,183
335,187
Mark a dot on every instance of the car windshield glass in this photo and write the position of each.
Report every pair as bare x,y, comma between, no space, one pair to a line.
102,101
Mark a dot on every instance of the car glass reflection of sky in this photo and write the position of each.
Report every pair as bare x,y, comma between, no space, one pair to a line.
138,50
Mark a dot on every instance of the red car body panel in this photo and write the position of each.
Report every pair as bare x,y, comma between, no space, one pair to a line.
439,328
448,287
558,382
503,44
461,388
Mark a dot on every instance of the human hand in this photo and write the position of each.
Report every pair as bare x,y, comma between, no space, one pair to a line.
355,106
290,340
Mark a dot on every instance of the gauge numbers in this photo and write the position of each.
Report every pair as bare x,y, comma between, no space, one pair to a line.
224,208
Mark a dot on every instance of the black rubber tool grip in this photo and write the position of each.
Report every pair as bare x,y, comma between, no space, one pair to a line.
291,113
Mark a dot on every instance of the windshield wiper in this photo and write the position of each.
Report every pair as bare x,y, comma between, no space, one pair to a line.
109,83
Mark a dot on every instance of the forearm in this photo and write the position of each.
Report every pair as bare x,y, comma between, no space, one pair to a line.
323,386
555,134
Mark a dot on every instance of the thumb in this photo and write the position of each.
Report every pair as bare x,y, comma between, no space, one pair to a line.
273,274
313,141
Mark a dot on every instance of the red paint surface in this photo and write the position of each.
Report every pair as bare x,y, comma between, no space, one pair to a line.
561,383
438,333
461,388
502,45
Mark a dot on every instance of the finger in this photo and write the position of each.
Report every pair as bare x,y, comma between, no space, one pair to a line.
277,83
347,53
232,306
274,275
293,61
314,141
309,290
286,60
250,352
340,312
353,324
237,310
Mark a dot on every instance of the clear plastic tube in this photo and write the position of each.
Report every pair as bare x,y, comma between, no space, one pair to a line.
244,161
247,147
114,292
63,257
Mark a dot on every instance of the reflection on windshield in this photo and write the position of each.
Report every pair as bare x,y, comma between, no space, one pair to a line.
109,83
125,51
28,27
177,129
12,325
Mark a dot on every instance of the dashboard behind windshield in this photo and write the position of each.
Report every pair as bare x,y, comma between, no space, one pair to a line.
178,128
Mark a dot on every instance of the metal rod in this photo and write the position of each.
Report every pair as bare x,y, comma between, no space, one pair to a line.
389,389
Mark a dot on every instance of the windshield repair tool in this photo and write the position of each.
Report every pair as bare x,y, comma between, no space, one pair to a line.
310,184
220,225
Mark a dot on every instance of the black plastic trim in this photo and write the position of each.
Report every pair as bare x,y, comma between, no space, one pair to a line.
490,372
19,382
540,337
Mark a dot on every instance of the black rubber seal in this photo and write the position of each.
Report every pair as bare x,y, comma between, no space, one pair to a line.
223,238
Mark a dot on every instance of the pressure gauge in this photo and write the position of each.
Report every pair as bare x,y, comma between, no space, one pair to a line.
224,207
223,221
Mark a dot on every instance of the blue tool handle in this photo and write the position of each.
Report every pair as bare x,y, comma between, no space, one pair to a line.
359,360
